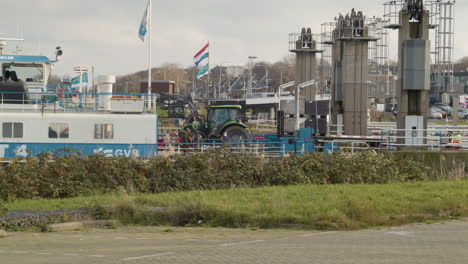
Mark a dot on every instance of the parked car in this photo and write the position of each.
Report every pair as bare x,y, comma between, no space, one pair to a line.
445,108
436,113
463,113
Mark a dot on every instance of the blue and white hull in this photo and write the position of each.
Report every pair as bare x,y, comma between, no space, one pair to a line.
28,134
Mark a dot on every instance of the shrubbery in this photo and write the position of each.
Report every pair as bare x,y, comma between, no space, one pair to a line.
70,175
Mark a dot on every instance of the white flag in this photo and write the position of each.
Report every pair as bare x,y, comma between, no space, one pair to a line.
144,24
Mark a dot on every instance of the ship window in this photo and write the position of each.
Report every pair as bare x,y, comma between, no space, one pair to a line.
103,131
59,130
12,130
26,72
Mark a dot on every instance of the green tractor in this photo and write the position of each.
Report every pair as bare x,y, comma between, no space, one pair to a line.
222,123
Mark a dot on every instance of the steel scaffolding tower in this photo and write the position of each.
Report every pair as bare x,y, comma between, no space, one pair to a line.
372,57
382,56
392,13
442,20
378,59
326,74
372,83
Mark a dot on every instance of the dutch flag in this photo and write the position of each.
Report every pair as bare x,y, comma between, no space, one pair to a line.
201,60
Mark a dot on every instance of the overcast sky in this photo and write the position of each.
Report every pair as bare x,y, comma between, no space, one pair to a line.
103,33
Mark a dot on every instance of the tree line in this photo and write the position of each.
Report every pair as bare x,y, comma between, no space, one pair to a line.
185,77
279,72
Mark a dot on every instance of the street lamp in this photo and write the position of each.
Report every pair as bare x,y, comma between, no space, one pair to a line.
251,58
266,71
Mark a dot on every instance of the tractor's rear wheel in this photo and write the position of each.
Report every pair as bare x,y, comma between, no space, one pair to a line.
236,134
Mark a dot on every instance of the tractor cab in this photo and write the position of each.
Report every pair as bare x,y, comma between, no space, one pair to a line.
224,122
221,116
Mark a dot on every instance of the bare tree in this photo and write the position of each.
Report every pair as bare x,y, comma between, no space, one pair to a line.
185,78
283,71
461,64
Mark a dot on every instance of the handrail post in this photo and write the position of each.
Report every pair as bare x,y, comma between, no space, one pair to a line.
381,138
389,140
440,141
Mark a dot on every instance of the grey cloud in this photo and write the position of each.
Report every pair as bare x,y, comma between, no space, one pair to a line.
103,33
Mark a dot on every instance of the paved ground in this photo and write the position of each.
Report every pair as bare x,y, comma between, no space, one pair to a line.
422,243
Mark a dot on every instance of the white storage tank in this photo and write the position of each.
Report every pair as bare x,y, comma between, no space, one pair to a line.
105,84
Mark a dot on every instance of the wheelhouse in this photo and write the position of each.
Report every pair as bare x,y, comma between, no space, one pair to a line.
29,73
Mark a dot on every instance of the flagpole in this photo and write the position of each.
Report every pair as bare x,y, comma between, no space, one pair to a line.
150,100
208,80
208,90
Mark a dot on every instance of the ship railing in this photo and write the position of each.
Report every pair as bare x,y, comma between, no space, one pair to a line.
78,102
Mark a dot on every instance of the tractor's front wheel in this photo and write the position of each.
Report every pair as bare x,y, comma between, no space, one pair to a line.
236,134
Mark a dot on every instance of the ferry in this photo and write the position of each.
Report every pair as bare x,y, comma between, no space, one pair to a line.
34,120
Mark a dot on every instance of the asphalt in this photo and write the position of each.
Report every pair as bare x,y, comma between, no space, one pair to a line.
420,243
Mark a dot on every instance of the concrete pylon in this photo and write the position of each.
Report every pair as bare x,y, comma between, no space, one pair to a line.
350,62
414,73
305,48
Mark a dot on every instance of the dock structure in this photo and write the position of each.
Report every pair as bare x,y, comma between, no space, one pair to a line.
350,62
305,46
414,72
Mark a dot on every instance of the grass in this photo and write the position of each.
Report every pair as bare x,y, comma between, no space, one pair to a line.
443,165
449,122
326,207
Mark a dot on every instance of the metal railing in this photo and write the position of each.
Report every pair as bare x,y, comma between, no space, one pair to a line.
263,123
433,139
304,42
387,140
265,149
392,13
77,102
